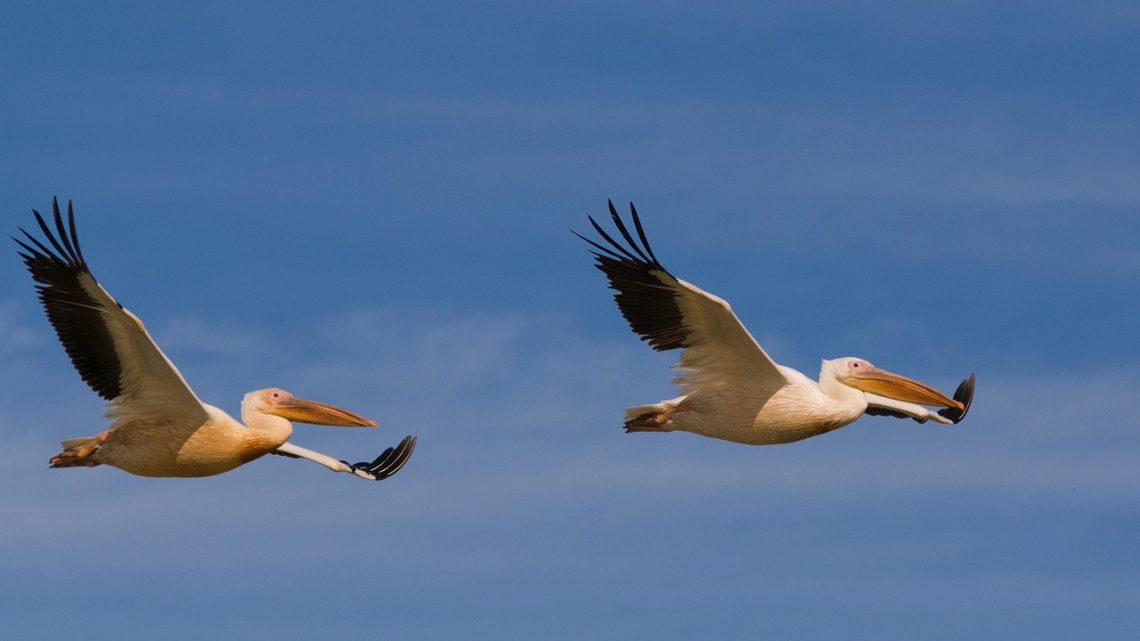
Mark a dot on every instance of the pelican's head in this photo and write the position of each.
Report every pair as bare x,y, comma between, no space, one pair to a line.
862,375
278,402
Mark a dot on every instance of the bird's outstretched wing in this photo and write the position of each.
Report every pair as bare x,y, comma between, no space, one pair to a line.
107,344
670,313
388,463
882,406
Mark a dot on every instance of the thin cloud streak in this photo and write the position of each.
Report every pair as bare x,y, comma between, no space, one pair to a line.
501,479
938,189
196,333
15,333
1015,446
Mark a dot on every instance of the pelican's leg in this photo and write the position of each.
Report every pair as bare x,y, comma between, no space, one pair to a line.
77,451
654,418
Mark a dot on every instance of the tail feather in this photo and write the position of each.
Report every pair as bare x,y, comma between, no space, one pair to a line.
73,443
650,418
77,453
639,410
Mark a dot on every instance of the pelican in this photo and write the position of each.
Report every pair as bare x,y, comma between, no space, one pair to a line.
160,427
730,388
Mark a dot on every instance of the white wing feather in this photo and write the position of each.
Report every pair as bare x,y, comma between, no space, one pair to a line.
720,348
153,388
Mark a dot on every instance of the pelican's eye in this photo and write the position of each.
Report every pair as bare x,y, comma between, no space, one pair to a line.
855,364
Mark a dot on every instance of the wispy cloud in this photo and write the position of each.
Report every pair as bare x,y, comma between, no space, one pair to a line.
522,468
488,378
209,335
15,334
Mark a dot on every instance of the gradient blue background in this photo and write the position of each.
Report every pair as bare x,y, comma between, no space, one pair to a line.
369,204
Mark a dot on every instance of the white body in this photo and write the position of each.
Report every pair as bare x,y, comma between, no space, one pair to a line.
730,388
160,427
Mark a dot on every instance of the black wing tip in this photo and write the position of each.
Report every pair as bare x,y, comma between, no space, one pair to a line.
64,240
633,251
58,269
23,245
646,291
964,395
391,460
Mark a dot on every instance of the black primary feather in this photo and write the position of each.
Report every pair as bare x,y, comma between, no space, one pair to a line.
390,460
964,395
74,314
645,293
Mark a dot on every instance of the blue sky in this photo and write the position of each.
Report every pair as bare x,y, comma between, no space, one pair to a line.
371,205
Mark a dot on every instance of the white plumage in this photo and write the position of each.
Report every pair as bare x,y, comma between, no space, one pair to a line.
160,427
729,387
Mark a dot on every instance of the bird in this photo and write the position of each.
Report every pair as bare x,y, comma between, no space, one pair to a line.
159,426
730,388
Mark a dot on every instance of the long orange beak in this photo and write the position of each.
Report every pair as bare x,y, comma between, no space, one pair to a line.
305,411
900,388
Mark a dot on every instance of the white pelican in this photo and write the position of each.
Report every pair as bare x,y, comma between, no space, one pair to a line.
730,388
160,427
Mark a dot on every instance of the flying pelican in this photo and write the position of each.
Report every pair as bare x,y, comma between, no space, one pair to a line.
730,388
160,427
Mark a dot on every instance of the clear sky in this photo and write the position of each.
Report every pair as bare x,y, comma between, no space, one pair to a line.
370,204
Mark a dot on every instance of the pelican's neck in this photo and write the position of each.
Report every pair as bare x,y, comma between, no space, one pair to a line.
838,392
277,429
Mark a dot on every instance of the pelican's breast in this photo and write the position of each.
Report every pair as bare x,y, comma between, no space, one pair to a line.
157,449
798,411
